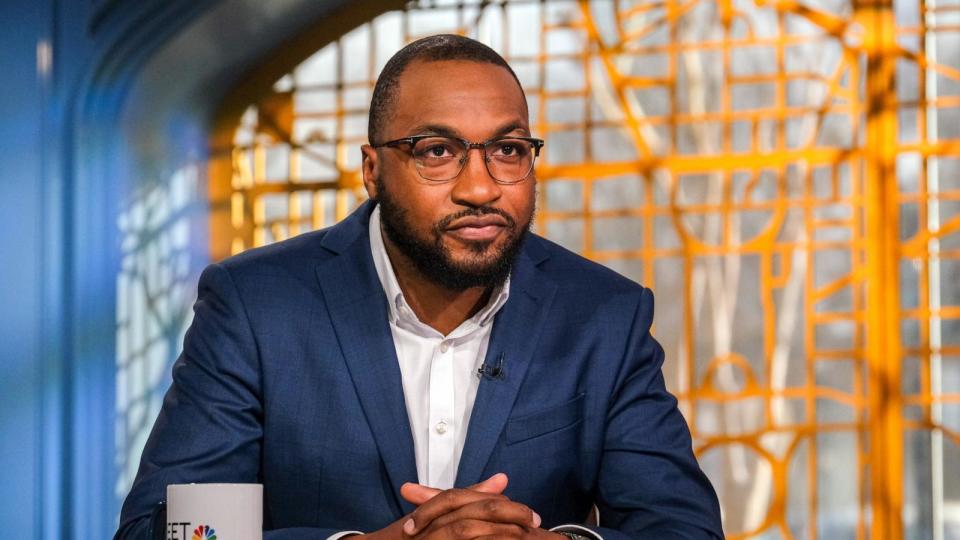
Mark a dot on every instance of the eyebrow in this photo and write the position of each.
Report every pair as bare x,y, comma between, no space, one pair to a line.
447,131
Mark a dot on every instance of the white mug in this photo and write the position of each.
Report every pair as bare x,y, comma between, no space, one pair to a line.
214,511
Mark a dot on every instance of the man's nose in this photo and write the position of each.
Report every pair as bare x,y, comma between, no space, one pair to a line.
474,186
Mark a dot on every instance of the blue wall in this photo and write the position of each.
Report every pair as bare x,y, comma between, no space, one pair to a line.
22,110
55,403
127,92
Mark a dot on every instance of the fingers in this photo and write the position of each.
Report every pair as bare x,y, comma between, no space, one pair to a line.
471,528
493,510
455,506
438,510
443,503
418,494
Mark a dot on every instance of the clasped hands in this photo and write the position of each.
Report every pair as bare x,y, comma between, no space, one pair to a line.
480,511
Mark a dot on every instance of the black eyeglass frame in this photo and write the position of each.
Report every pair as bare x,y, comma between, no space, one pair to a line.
468,145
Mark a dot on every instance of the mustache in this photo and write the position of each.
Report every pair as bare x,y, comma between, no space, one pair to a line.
444,223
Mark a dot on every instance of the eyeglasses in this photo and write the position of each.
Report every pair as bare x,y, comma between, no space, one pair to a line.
440,159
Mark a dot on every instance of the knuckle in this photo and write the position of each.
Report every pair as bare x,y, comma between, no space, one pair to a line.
517,531
449,498
453,495
492,506
460,529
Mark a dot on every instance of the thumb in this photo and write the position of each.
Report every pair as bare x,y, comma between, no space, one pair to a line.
495,484
417,494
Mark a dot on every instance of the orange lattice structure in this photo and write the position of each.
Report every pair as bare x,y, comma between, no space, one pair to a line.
783,174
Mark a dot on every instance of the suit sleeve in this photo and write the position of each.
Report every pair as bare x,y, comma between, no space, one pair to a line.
649,483
210,426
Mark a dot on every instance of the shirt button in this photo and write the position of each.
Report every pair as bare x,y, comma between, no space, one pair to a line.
444,346
441,427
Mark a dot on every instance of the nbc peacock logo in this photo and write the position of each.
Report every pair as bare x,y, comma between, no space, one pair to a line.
204,532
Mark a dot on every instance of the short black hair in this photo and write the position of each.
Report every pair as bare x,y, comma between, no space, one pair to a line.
429,49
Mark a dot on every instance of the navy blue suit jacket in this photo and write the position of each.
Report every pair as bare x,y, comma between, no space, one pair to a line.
289,377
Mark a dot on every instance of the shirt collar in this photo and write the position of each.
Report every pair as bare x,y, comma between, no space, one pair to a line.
397,304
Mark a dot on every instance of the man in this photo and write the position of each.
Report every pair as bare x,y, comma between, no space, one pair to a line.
428,368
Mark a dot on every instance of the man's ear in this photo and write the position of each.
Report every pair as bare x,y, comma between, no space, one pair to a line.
370,167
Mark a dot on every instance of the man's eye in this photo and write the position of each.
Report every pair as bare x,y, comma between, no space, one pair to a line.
437,151
509,149
433,150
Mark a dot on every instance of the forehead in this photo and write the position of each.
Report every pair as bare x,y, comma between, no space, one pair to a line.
473,99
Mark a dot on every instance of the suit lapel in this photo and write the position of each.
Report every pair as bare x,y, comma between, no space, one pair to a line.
357,307
516,332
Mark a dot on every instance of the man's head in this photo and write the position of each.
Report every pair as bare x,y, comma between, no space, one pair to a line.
464,232
429,49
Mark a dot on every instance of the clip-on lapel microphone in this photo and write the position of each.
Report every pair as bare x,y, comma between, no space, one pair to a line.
492,372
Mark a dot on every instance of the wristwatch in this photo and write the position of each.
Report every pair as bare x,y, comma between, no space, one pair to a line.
574,536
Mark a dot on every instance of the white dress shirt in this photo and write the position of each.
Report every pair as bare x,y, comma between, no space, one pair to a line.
438,372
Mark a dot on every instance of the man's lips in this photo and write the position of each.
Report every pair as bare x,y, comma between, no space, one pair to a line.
486,220
478,228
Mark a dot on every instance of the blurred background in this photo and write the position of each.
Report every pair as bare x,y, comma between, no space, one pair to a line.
785,175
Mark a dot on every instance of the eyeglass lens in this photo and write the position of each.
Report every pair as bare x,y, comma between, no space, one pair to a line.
442,158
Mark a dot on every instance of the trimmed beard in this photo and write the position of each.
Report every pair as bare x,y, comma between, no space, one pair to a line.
432,258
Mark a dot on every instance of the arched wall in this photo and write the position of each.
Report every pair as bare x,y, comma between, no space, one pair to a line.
105,98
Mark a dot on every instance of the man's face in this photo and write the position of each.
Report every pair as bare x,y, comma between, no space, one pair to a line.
466,232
